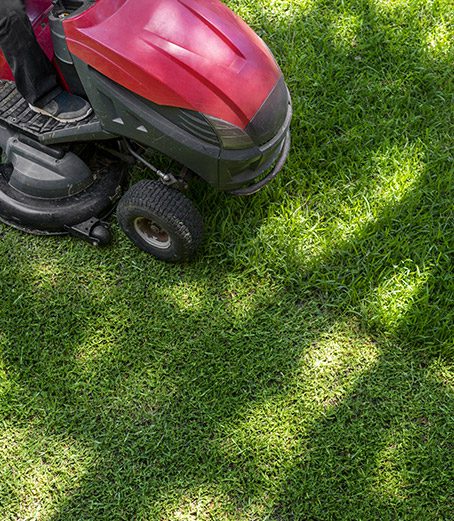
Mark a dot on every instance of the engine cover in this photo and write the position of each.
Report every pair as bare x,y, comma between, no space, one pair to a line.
191,54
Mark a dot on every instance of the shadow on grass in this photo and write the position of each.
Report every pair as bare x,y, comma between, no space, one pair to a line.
183,394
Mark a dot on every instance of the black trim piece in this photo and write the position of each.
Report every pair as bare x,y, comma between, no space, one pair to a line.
271,115
249,190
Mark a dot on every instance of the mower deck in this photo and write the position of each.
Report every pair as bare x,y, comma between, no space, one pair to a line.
15,113
79,192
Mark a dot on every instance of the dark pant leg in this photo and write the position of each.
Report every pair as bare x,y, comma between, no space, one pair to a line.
34,74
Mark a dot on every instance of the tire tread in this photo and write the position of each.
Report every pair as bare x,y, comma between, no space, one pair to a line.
171,206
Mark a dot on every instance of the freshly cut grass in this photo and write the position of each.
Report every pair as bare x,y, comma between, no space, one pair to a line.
301,368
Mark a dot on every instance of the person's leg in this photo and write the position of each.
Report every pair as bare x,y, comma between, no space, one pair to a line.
34,75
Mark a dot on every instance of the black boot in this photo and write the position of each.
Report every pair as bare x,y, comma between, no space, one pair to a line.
64,107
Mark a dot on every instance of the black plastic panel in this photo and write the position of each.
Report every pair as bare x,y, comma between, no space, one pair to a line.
185,138
124,113
37,172
54,216
62,55
193,122
271,115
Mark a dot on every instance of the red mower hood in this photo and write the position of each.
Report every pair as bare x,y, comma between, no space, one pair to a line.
192,54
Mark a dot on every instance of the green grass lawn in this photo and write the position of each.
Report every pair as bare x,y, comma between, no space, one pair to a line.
301,367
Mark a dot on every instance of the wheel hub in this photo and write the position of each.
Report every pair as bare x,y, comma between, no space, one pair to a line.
152,233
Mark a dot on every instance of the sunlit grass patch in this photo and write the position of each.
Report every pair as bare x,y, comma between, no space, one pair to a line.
442,373
37,471
273,434
401,289
201,504
345,30
439,39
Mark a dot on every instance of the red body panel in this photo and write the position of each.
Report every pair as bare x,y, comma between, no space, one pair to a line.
37,11
193,54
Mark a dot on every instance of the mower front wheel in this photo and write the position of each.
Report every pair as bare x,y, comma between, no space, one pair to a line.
160,221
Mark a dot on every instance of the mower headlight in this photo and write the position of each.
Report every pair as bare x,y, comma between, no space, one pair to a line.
231,136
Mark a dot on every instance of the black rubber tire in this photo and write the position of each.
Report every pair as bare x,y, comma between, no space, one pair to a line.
164,208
